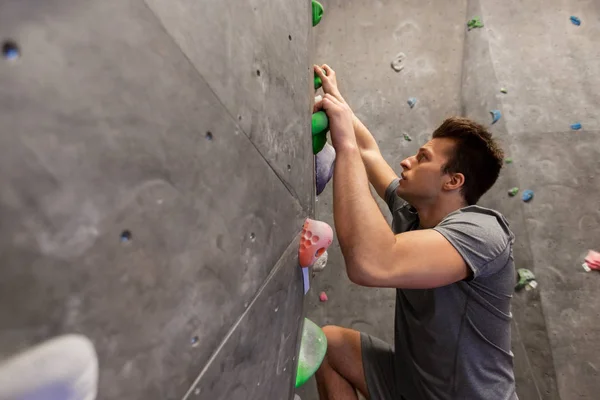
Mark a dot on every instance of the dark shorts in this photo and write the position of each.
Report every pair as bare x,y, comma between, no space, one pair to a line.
378,364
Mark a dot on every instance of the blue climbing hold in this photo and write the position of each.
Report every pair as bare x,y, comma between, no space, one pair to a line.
412,101
496,115
575,20
527,195
576,126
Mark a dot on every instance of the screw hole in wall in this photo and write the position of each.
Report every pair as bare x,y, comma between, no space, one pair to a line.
289,167
239,117
10,50
258,72
252,236
194,341
125,236
290,37
209,135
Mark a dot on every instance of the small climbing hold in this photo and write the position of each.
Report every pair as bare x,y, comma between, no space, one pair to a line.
527,195
306,280
525,279
508,160
407,137
592,261
513,191
315,238
496,115
324,163
475,22
575,20
320,126
321,263
398,62
318,82
317,12
503,90
412,101
10,50
576,126
323,297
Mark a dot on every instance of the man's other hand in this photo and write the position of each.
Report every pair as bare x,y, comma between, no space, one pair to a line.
329,80
340,122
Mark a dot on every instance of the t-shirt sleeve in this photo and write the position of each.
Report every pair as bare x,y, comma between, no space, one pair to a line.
483,240
393,201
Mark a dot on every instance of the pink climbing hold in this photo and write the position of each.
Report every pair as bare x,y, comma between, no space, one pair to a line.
316,237
592,260
323,297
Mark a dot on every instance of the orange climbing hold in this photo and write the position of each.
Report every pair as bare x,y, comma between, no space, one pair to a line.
316,237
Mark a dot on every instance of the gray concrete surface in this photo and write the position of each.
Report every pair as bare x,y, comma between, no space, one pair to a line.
186,124
550,68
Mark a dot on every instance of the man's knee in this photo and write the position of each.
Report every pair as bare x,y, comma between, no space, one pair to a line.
343,344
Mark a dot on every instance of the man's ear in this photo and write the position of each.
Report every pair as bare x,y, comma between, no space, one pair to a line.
456,181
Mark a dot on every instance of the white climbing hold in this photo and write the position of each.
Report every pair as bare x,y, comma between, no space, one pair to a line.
321,262
398,62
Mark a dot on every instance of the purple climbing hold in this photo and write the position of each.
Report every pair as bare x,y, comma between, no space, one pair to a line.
325,160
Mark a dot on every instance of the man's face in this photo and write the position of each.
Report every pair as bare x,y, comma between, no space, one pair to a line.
423,177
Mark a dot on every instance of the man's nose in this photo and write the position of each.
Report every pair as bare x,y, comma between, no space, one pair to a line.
406,163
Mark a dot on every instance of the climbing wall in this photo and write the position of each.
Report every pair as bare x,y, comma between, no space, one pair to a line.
550,69
155,170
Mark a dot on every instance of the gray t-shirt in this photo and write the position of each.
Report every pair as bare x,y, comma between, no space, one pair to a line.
453,342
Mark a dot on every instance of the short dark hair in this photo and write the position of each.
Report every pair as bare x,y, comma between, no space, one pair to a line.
476,155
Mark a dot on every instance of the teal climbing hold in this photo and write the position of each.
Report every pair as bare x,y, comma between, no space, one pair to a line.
320,126
527,196
496,115
317,12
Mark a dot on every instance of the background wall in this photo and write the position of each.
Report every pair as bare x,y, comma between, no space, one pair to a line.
550,68
155,169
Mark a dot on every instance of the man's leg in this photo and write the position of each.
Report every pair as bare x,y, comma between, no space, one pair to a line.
341,372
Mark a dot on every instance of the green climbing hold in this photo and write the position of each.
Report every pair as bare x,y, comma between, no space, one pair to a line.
525,278
513,191
317,12
318,81
508,160
313,347
473,23
320,126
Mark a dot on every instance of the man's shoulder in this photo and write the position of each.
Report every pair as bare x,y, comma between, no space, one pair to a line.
481,235
477,218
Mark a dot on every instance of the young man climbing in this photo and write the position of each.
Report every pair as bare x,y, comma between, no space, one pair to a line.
449,259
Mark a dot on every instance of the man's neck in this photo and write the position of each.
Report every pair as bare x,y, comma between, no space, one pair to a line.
432,214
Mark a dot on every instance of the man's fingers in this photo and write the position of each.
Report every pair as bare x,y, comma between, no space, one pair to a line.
318,105
319,71
333,99
327,69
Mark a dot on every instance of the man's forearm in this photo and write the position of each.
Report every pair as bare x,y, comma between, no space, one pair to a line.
361,229
364,138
